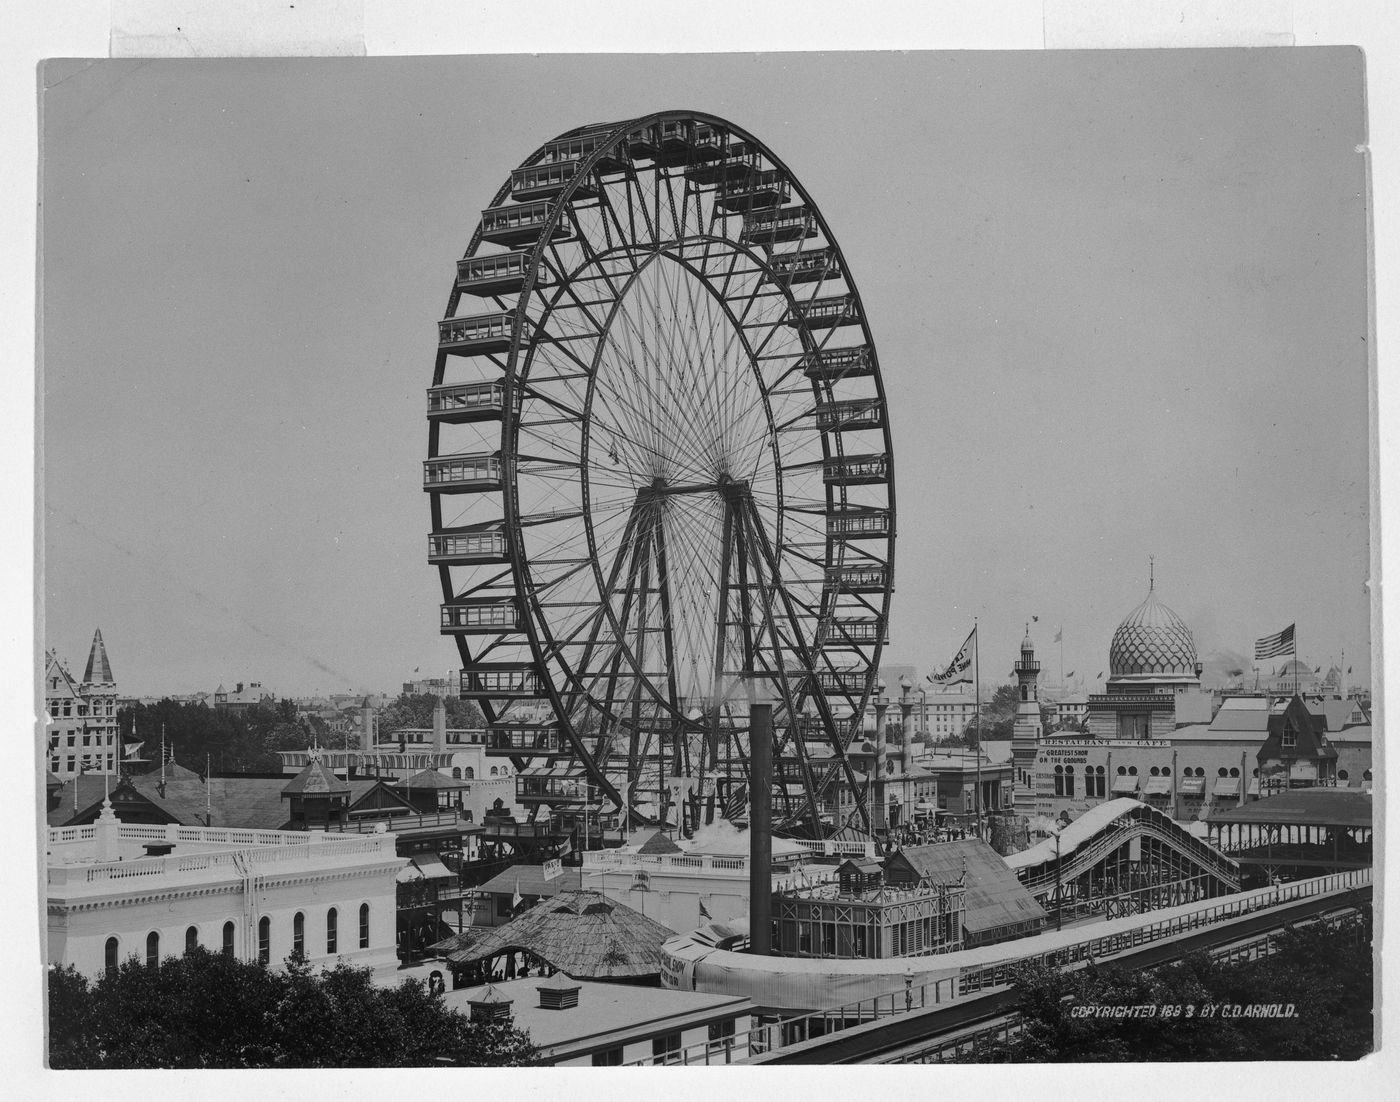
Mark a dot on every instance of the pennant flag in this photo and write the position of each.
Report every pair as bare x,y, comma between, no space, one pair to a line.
1272,646
1317,669
1348,669
704,910
1059,636
954,673
130,748
1100,677
516,899
1070,674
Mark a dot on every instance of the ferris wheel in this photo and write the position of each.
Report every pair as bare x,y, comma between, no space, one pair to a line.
660,476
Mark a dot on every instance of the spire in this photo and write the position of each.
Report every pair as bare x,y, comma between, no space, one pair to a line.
97,663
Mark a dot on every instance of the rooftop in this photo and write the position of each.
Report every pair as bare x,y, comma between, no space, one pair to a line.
1347,807
604,1009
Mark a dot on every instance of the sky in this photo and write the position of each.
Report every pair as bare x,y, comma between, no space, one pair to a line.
1119,301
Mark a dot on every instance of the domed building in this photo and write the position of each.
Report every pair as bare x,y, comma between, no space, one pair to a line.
1152,665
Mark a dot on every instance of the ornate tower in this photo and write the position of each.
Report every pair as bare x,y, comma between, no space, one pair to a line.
1025,735
99,692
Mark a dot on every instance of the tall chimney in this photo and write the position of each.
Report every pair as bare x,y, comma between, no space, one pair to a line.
878,821
761,829
366,724
440,726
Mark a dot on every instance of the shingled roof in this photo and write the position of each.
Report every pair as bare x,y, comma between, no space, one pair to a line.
995,897
582,933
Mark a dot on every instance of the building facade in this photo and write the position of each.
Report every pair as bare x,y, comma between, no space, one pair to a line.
81,717
115,891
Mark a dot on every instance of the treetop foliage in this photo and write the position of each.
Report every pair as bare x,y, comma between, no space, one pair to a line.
208,1010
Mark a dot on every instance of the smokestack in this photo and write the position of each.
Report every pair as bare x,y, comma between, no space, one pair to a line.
440,726
906,709
761,829
877,819
366,724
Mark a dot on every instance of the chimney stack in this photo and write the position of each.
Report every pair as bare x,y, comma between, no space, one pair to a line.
761,829
440,726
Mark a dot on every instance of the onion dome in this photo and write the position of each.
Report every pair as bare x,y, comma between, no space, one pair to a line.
1027,647
1153,642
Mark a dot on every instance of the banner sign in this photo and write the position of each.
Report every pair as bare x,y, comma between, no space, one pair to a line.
553,868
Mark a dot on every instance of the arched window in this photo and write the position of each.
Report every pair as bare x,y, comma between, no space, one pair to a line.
332,917
470,773
493,771
1234,772
1059,780
191,939
1366,775
1342,775
456,773
1132,770
228,939
1166,770
152,949
1069,780
299,934
364,925
1155,771
109,956
265,939
1122,770
1222,772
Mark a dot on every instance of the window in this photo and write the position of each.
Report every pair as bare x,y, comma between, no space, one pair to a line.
456,773
1069,780
228,939
331,919
1366,775
1166,770
1094,780
493,771
364,925
152,949
299,934
1132,770
1155,771
1342,774
1059,780
667,1045
1222,772
191,939
1290,735
608,1058
1234,772
722,1031
470,774
264,939
109,956
1122,771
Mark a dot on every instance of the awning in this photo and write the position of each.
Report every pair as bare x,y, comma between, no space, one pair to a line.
1192,786
1227,786
431,868
408,873
1158,786
1254,786
1125,783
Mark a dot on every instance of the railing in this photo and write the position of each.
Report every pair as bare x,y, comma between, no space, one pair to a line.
972,979
600,859
394,824
327,848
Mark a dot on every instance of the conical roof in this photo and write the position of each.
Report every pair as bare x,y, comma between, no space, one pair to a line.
97,663
582,933
315,780
1153,642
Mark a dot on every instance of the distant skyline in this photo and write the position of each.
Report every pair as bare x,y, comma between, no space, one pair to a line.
1119,300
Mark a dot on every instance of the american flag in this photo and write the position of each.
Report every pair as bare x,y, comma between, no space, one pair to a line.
1271,646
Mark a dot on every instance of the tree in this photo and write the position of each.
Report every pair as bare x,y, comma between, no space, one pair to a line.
416,710
208,1010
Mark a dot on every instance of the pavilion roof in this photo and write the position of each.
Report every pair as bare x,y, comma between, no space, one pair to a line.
582,933
1346,807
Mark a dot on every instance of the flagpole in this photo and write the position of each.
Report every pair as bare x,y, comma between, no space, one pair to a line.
977,696
208,787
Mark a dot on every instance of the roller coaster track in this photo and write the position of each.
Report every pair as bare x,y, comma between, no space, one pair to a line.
1083,858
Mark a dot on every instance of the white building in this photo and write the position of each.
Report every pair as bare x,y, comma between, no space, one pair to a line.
671,882
116,891
946,715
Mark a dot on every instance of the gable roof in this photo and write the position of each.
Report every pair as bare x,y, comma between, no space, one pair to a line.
315,780
1310,741
659,843
995,896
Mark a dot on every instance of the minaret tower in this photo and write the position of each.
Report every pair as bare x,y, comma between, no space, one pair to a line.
1025,735
99,692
